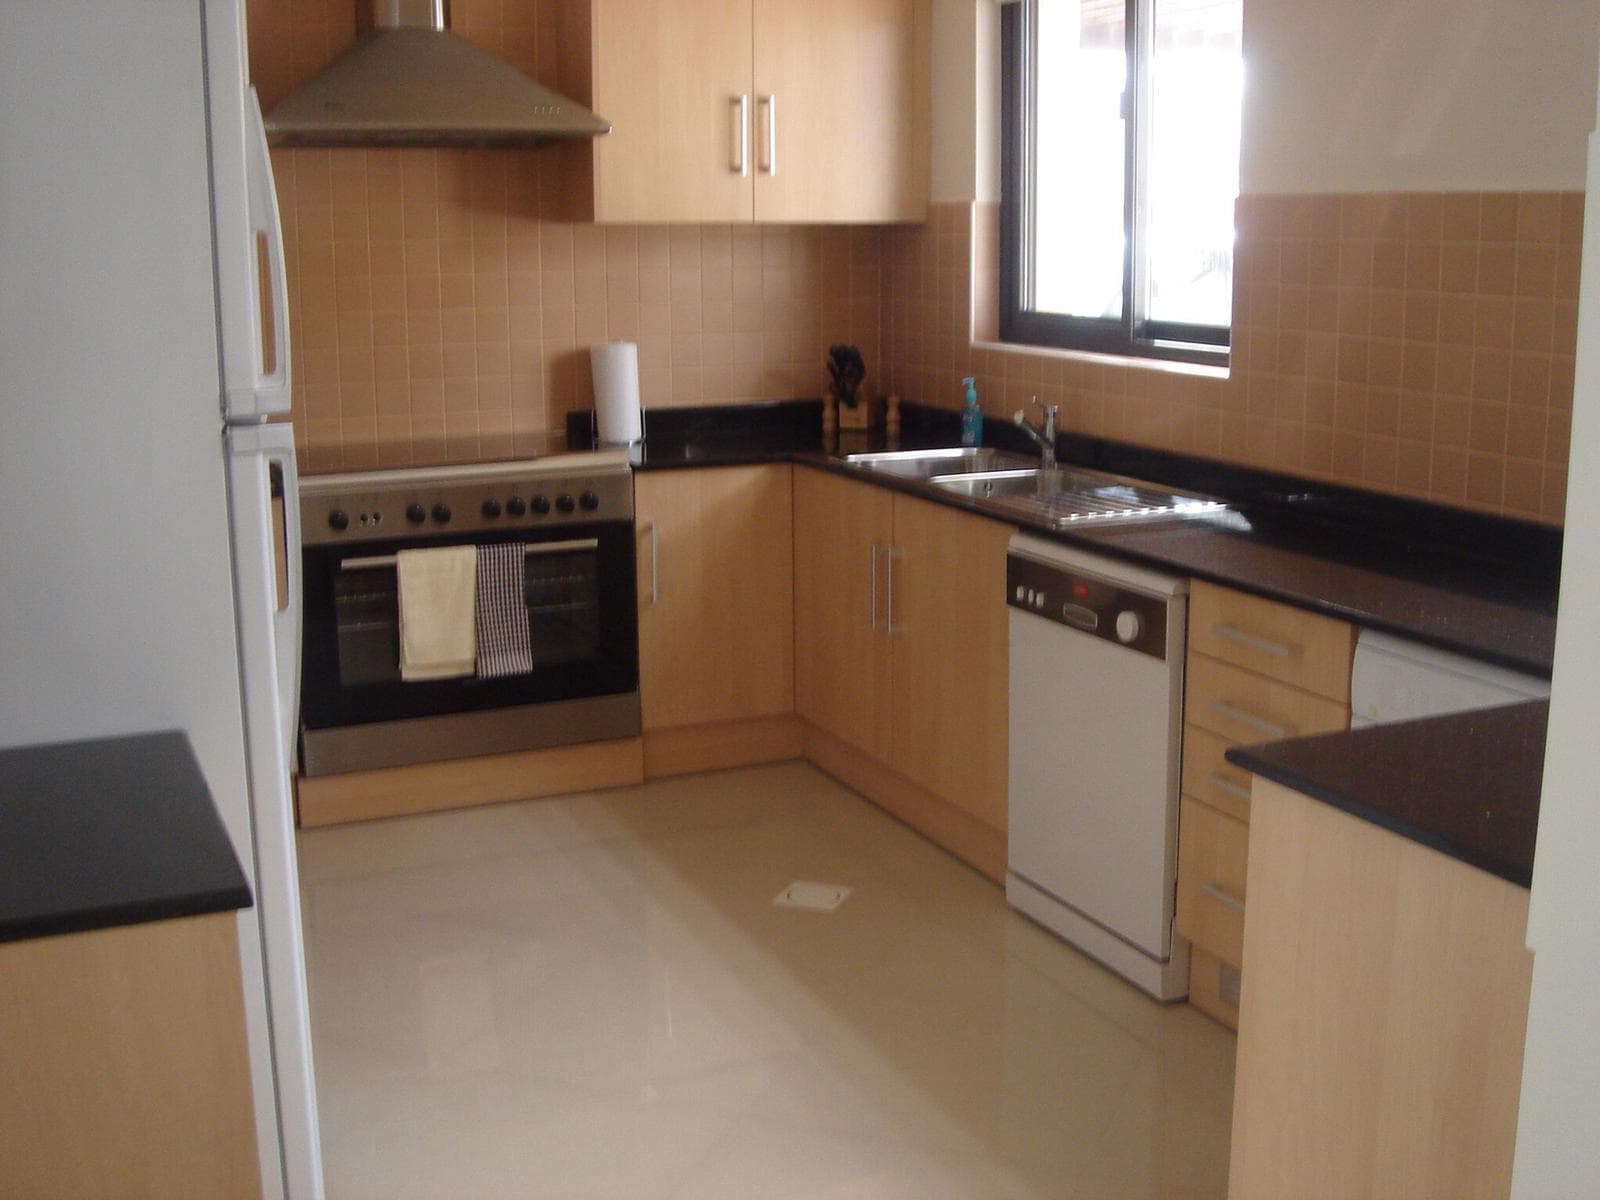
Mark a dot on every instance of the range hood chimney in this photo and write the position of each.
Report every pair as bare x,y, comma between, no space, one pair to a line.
410,82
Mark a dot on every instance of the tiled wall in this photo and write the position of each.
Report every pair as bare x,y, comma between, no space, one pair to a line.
434,312
1416,344
1419,344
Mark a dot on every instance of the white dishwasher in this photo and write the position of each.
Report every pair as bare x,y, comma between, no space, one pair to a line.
1096,730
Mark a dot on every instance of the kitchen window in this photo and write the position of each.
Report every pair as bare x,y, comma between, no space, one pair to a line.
1120,166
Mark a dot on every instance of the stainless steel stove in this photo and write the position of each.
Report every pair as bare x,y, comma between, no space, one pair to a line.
573,514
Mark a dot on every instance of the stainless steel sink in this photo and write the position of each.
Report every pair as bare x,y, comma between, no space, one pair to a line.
1066,496
1034,482
947,460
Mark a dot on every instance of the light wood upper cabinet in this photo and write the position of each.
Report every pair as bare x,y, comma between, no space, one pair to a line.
757,110
949,636
667,76
716,610
841,126
842,535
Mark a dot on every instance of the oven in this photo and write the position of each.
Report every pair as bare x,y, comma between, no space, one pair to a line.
572,515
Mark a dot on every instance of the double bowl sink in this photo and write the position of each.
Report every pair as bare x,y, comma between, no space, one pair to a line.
1014,485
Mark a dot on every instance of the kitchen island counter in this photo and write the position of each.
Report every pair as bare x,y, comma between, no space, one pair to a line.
1466,784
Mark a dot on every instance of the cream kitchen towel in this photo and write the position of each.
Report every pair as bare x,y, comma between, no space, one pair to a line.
438,588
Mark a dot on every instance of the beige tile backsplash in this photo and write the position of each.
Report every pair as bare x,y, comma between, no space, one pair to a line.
1418,344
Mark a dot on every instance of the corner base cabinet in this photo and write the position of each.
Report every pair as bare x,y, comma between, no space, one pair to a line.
900,636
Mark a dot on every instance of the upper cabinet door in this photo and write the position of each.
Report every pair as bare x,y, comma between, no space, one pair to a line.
840,113
669,76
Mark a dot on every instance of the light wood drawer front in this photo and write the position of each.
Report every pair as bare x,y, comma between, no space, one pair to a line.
1212,852
1289,644
1246,708
1208,776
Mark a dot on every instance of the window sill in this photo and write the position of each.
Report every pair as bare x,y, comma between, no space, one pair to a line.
1163,365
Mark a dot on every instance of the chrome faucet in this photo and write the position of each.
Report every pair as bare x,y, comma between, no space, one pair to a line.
1046,437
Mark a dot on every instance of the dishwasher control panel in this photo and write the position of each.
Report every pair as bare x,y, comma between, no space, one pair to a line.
1088,604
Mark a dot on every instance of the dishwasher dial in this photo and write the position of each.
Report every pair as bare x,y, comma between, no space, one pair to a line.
1129,626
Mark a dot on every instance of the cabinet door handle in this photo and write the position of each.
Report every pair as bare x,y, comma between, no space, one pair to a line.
1271,728
741,135
770,166
872,598
655,579
889,554
1223,784
1277,649
1224,898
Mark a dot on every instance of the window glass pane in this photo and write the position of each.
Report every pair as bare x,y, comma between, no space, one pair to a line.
1078,185
1195,83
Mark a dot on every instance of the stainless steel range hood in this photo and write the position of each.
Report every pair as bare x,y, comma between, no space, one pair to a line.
408,81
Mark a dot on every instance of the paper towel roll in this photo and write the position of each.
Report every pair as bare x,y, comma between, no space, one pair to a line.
616,392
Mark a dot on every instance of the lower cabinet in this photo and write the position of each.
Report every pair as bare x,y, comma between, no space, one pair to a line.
900,644
127,1071
1257,671
716,616
1381,1041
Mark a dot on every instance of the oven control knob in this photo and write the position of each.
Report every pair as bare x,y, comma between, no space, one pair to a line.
339,520
516,506
588,502
541,505
441,513
491,508
1129,626
416,514
566,503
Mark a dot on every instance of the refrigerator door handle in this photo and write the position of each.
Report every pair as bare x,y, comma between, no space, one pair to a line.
287,620
271,387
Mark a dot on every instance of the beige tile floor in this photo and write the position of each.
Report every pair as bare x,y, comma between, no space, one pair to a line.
595,996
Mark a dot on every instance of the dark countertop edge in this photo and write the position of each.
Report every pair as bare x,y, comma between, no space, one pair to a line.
194,904
109,832
1106,545
1341,770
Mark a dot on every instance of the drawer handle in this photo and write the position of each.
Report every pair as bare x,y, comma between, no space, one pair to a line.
1277,649
1223,784
1271,728
1226,899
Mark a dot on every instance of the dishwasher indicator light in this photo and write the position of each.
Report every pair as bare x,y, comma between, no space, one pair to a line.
1080,589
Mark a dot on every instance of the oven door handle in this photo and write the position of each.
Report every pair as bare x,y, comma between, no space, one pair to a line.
532,549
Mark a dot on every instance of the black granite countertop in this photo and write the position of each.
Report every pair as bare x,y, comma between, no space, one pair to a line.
1466,785
1476,584
113,831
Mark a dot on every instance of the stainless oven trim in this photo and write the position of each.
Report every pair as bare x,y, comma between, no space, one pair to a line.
541,726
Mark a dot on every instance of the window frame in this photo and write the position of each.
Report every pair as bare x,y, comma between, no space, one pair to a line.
1131,335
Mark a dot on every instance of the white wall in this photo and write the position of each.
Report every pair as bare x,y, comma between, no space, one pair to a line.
1558,1154
1417,95
1344,95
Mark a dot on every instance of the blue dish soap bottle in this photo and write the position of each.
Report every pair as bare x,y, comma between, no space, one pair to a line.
971,415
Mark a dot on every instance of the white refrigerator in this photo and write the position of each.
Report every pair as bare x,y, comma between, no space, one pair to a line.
143,351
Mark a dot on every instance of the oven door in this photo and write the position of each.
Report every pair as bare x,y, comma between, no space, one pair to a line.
357,713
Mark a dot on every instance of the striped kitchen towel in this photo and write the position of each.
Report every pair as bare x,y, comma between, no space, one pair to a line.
503,645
